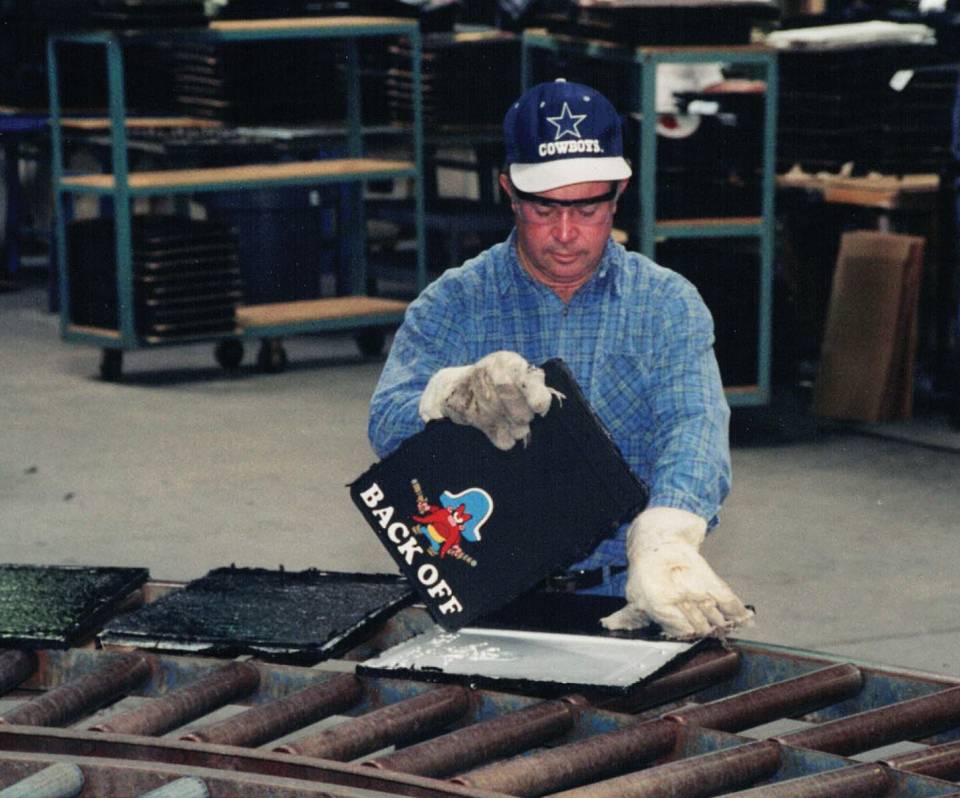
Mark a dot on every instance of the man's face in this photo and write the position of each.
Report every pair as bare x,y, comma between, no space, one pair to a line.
561,245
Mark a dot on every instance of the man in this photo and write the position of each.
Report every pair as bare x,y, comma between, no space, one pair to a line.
636,336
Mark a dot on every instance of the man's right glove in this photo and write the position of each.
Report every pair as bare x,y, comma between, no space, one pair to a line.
499,395
669,582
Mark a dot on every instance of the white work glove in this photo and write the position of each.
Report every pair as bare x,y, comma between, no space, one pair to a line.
499,395
670,583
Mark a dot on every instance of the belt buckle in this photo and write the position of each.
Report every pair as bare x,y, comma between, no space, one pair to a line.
567,582
572,581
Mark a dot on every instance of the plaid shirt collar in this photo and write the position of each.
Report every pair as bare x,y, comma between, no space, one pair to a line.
514,276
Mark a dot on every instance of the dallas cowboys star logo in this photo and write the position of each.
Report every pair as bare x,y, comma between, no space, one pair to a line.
567,123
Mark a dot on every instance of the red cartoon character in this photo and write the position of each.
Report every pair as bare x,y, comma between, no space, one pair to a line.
443,523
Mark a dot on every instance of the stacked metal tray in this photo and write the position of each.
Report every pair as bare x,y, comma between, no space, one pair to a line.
652,23
467,78
259,82
186,274
840,106
139,14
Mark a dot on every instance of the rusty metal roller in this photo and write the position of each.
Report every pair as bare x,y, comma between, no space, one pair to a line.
939,761
575,763
905,720
269,721
15,667
83,695
167,712
857,781
693,777
704,669
785,699
613,752
394,724
501,736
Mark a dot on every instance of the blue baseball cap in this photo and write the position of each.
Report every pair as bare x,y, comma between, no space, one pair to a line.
562,133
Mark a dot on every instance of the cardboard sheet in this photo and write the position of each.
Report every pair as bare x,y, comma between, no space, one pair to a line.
866,366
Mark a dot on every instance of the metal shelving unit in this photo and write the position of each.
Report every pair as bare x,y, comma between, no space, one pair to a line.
643,63
268,322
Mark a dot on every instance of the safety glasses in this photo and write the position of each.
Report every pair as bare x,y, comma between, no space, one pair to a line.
535,209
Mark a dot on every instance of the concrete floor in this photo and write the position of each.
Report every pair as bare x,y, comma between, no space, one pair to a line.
845,540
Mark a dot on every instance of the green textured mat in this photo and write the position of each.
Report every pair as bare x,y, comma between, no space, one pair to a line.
57,606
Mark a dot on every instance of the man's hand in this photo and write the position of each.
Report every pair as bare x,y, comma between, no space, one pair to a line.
499,395
670,583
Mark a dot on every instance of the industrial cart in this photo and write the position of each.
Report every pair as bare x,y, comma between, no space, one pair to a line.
366,315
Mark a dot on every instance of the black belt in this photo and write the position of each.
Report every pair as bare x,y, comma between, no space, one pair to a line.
583,579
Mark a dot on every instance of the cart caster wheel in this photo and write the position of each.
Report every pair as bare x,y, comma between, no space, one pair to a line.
272,357
229,354
111,365
370,341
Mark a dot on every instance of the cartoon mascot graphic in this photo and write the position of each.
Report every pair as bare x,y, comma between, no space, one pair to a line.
458,516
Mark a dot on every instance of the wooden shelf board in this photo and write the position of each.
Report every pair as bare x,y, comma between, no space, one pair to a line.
887,192
103,123
103,332
252,173
741,389
304,23
280,313
706,222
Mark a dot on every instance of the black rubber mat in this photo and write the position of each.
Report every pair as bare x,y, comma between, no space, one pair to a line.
58,606
473,527
292,616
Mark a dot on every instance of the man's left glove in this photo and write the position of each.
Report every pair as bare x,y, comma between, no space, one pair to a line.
499,395
669,582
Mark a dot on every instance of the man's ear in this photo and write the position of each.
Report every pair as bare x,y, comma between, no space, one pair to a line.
505,184
620,189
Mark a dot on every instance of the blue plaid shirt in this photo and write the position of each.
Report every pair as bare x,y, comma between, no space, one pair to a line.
636,336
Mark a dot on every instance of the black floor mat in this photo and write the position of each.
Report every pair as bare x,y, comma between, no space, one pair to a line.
301,617
57,606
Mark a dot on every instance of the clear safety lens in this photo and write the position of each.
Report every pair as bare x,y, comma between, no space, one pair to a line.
543,213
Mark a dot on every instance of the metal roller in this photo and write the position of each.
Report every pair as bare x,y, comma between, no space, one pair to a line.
694,777
857,781
607,754
391,725
60,780
162,714
502,736
187,787
269,721
15,667
66,703
905,720
575,763
704,669
939,761
784,699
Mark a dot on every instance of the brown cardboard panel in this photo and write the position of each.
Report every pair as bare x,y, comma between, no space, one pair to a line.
866,361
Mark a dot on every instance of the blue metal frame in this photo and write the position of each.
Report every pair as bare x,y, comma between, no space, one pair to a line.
122,193
644,62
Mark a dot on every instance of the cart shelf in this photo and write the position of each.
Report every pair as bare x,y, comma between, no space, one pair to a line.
260,175
366,316
282,318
